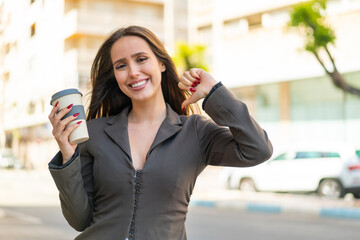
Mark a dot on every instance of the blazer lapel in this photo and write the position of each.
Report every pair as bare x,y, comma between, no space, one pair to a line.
170,126
118,130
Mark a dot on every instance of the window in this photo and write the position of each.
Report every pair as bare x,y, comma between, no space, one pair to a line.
7,48
33,30
6,77
84,81
267,102
8,140
309,155
31,108
352,102
309,104
236,26
43,106
331,155
205,38
205,35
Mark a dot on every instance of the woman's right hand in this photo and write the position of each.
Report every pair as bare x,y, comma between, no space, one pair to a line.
61,133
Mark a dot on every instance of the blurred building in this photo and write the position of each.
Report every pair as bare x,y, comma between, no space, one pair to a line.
252,51
49,45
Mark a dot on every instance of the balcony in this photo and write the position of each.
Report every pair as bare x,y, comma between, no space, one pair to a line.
84,22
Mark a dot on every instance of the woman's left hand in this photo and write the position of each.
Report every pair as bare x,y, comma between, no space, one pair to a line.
198,82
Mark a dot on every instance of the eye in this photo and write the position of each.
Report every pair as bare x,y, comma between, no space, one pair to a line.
120,66
141,59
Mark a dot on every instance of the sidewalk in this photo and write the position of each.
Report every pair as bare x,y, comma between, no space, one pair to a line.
27,188
36,188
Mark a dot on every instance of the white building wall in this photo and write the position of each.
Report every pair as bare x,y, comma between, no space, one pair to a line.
241,55
270,53
59,55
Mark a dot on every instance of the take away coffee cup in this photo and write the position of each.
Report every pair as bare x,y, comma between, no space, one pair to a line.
65,98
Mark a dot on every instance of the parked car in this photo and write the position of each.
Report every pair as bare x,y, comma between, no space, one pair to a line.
328,172
8,160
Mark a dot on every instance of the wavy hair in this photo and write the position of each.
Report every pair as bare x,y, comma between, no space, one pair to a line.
106,97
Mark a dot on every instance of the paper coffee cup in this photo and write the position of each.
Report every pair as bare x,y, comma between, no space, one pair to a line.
65,98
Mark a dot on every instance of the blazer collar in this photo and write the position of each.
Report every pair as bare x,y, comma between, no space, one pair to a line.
117,129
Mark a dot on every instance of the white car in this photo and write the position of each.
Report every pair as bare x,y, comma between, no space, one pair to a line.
8,160
330,173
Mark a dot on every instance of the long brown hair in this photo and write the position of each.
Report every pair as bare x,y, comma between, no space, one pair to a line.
107,99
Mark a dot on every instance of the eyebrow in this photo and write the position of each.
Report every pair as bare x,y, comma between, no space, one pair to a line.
132,56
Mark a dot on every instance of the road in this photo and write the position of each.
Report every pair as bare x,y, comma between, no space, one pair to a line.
34,223
203,223
29,210
232,224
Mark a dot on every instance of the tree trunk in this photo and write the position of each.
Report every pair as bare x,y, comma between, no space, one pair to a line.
339,81
336,77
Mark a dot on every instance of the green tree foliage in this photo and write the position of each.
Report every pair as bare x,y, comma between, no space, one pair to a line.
189,56
309,19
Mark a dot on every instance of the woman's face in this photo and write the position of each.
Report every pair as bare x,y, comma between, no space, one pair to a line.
137,70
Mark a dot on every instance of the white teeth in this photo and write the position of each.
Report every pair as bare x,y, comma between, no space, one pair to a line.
138,84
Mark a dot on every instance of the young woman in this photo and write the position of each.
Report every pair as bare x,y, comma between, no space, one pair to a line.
134,177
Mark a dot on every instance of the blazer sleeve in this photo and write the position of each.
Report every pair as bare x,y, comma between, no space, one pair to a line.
233,138
75,185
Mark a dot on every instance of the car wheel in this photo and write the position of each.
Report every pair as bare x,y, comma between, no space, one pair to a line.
247,185
331,188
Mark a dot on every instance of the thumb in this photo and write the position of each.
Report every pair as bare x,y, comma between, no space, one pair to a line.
186,102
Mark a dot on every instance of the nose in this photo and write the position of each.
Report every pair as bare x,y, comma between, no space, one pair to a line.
134,70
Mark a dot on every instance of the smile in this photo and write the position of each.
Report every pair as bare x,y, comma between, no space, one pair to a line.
138,84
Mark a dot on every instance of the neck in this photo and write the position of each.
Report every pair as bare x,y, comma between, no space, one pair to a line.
148,111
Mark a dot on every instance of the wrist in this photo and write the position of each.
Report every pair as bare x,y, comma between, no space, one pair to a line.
66,158
216,86
209,88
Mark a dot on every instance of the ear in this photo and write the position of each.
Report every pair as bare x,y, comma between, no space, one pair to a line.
162,67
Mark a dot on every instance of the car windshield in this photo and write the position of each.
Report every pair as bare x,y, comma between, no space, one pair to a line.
310,154
307,155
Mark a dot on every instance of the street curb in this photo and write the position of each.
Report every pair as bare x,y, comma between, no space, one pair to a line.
349,213
324,212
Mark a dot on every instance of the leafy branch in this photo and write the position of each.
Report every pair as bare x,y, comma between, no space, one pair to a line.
189,56
309,18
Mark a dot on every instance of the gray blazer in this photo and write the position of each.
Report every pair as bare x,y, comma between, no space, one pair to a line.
104,197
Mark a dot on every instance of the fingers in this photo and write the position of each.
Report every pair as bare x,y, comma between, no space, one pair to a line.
55,114
59,124
195,73
186,79
54,111
189,80
184,87
185,103
198,82
69,129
